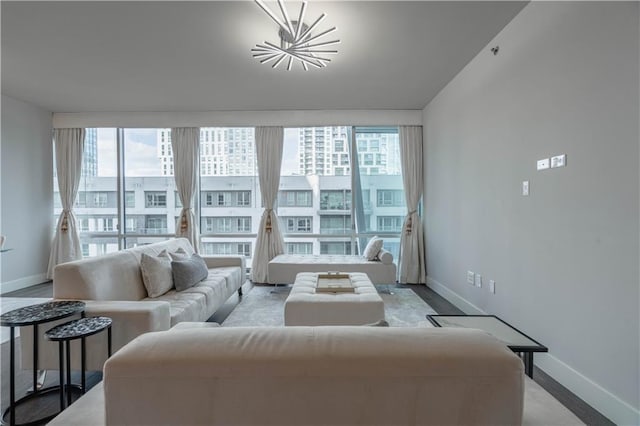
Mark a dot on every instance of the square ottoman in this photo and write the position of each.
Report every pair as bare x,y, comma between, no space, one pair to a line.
306,307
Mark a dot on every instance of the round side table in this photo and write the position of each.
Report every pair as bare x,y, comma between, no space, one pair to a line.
33,315
72,330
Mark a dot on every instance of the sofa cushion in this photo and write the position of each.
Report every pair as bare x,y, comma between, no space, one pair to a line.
156,273
185,306
373,248
188,272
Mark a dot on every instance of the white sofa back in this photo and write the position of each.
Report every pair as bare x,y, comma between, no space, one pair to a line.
113,276
314,376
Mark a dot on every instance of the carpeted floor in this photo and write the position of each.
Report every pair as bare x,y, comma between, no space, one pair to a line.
263,306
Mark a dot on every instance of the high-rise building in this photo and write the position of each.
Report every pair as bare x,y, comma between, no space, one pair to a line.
224,151
90,156
321,150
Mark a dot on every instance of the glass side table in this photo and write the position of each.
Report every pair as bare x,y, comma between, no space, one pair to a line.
72,330
33,315
515,340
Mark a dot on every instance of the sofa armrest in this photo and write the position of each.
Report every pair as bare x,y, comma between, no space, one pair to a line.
130,319
221,261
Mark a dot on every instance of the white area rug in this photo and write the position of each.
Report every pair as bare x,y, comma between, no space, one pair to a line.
263,306
9,304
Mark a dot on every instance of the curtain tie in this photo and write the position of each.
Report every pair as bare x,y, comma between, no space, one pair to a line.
267,225
64,226
183,219
409,221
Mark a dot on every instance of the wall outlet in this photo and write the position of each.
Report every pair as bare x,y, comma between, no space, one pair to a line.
470,277
558,161
492,286
542,164
525,188
478,280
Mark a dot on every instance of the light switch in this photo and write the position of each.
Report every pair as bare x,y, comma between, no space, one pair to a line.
543,164
525,188
558,161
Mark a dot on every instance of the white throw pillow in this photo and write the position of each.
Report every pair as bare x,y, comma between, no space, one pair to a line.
156,274
373,248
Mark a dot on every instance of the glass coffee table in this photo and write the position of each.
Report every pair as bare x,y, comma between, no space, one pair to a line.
516,340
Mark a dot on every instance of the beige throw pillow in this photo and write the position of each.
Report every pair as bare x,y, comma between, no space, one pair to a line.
156,274
373,248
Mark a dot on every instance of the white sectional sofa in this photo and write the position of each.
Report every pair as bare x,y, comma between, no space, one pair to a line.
283,268
313,376
112,286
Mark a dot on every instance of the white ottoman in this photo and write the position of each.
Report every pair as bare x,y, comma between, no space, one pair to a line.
306,307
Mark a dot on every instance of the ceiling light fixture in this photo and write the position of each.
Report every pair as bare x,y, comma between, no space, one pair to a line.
297,42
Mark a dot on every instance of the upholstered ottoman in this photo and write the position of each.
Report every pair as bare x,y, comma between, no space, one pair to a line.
306,307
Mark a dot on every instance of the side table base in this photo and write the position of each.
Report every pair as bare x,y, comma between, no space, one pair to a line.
47,392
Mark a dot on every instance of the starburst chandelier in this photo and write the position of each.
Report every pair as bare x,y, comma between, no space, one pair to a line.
297,41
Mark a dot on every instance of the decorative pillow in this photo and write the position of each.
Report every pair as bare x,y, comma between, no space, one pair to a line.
179,254
156,274
373,248
385,257
188,272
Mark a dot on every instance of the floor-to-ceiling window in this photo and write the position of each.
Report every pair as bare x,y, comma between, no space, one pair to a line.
230,203
339,186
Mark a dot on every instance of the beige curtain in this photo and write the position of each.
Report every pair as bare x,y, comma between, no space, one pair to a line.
412,256
269,244
69,148
185,143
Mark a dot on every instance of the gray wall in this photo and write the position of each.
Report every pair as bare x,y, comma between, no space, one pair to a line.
27,193
565,259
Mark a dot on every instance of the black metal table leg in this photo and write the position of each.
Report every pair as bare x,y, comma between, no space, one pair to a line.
528,364
83,361
68,385
12,376
109,342
61,362
35,358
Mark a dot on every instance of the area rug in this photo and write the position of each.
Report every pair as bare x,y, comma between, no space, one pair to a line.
264,306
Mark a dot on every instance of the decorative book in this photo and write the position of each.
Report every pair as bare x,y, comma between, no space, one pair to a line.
334,282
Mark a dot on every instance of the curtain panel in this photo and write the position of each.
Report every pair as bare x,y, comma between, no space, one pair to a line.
185,143
412,260
69,148
269,243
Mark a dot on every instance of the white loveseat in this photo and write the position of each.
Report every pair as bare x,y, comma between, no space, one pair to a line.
313,376
112,286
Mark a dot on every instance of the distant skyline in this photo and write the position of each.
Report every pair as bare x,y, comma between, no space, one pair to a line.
141,157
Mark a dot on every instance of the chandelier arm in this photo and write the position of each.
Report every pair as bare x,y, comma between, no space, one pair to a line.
294,54
290,63
315,36
304,65
272,15
314,51
287,21
265,60
303,9
311,27
311,55
277,62
324,43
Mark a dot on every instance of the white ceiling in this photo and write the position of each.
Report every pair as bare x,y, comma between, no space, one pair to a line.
195,56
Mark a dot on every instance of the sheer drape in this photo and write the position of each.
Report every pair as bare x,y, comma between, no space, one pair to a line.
411,260
69,147
269,146
185,142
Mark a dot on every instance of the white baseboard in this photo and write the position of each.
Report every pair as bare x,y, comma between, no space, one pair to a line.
21,283
584,388
459,302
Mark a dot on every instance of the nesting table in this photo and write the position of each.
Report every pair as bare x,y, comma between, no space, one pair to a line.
33,315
